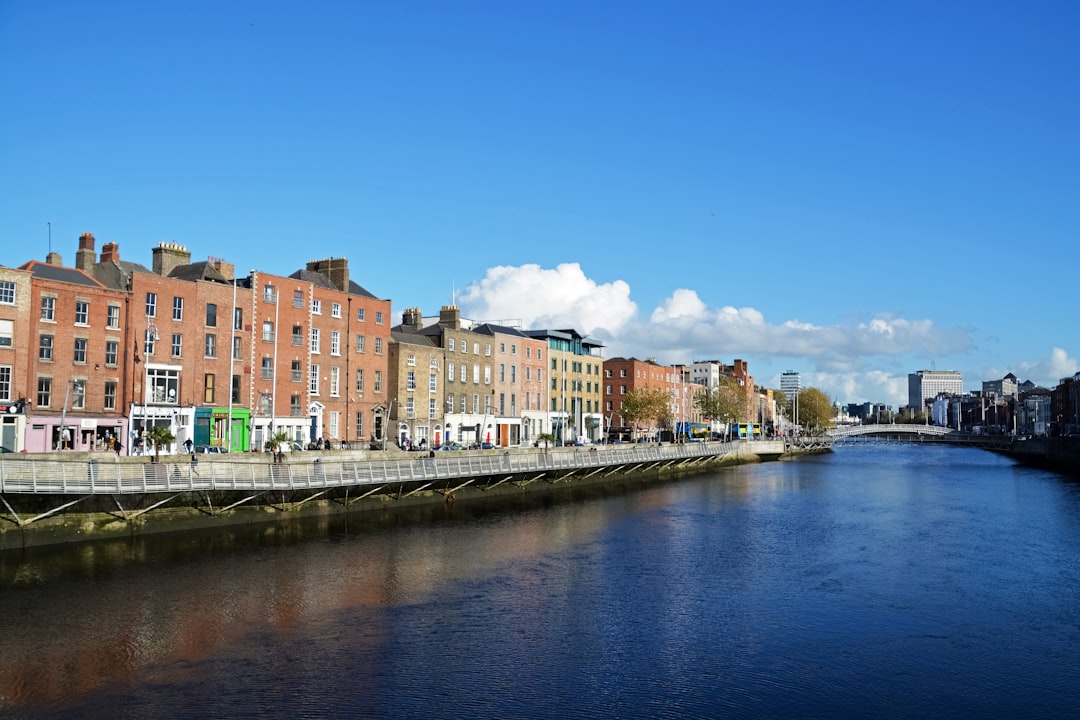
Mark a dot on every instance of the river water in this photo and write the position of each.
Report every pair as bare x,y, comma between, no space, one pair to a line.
884,581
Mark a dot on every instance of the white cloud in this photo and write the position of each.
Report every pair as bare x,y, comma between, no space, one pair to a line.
846,357
1049,370
543,298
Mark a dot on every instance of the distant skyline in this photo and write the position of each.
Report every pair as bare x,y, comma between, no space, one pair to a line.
855,191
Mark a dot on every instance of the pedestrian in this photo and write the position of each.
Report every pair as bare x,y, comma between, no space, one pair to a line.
187,445
194,463
118,447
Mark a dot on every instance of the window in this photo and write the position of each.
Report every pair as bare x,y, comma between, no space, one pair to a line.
211,315
316,307
44,392
411,361
463,373
177,344
360,343
112,320
112,352
361,315
335,342
298,298
335,381
378,317
266,404
5,382
268,331
502,372
294,406
78,394
151,305
7,333
378,346
208,388
313,380
45,348
237,347
476,348
449,403
464,348
267,368
359,425
431,383
487,350
297,335
431,407
463,401
513,374
450,345
410,407
333,423
476,374
476,403
235,388
211,345
238,319
82,312
335,310
178,308
378,381
360,382
487,375
148,341
80,350
269,296
410,381
7,292
48,309
297,373
513,349
450,371
314,340
164,385
110,394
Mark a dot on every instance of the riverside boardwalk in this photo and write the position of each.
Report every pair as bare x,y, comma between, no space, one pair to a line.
36,488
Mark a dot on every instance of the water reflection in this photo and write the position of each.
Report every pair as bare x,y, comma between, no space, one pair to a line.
879,582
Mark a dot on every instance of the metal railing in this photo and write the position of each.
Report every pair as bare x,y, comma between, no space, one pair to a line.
119,477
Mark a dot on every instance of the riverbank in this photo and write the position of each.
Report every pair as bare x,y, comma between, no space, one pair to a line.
108,516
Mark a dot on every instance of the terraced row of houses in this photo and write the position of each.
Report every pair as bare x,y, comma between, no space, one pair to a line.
93,356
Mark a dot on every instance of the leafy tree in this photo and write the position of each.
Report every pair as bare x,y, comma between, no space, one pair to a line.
159,435
815,409
726,402
545,438
645,404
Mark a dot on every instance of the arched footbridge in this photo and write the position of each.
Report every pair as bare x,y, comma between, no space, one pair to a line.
894,433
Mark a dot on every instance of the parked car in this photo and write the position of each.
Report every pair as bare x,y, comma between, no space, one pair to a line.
451,446
211,449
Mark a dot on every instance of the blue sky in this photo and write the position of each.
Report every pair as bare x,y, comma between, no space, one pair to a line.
853,190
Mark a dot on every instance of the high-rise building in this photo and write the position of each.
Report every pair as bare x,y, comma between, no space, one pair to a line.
928,384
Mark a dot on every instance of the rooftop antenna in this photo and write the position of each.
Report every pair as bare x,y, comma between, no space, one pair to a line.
50,236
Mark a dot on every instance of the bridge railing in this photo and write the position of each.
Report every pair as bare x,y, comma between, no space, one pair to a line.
891,428
105,477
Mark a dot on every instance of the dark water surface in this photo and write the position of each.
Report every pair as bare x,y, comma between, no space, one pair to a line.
873,582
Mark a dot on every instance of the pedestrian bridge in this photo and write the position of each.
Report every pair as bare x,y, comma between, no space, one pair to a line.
33,488
914,433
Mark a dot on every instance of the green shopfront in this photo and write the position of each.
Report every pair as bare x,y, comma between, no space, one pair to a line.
212,428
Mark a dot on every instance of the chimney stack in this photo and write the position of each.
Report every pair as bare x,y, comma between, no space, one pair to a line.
336,271
450,316
227,269
84,256
53,258
110,252
412,319
169,256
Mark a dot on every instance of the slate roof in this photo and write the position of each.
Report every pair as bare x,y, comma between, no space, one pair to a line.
199,271
59,273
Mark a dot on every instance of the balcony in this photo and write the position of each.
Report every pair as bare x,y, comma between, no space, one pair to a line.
268,337
298,340
267,373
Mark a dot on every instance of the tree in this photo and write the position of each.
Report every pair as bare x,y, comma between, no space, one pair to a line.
275,445
159,435
545,438
815,409
645,404
725,402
